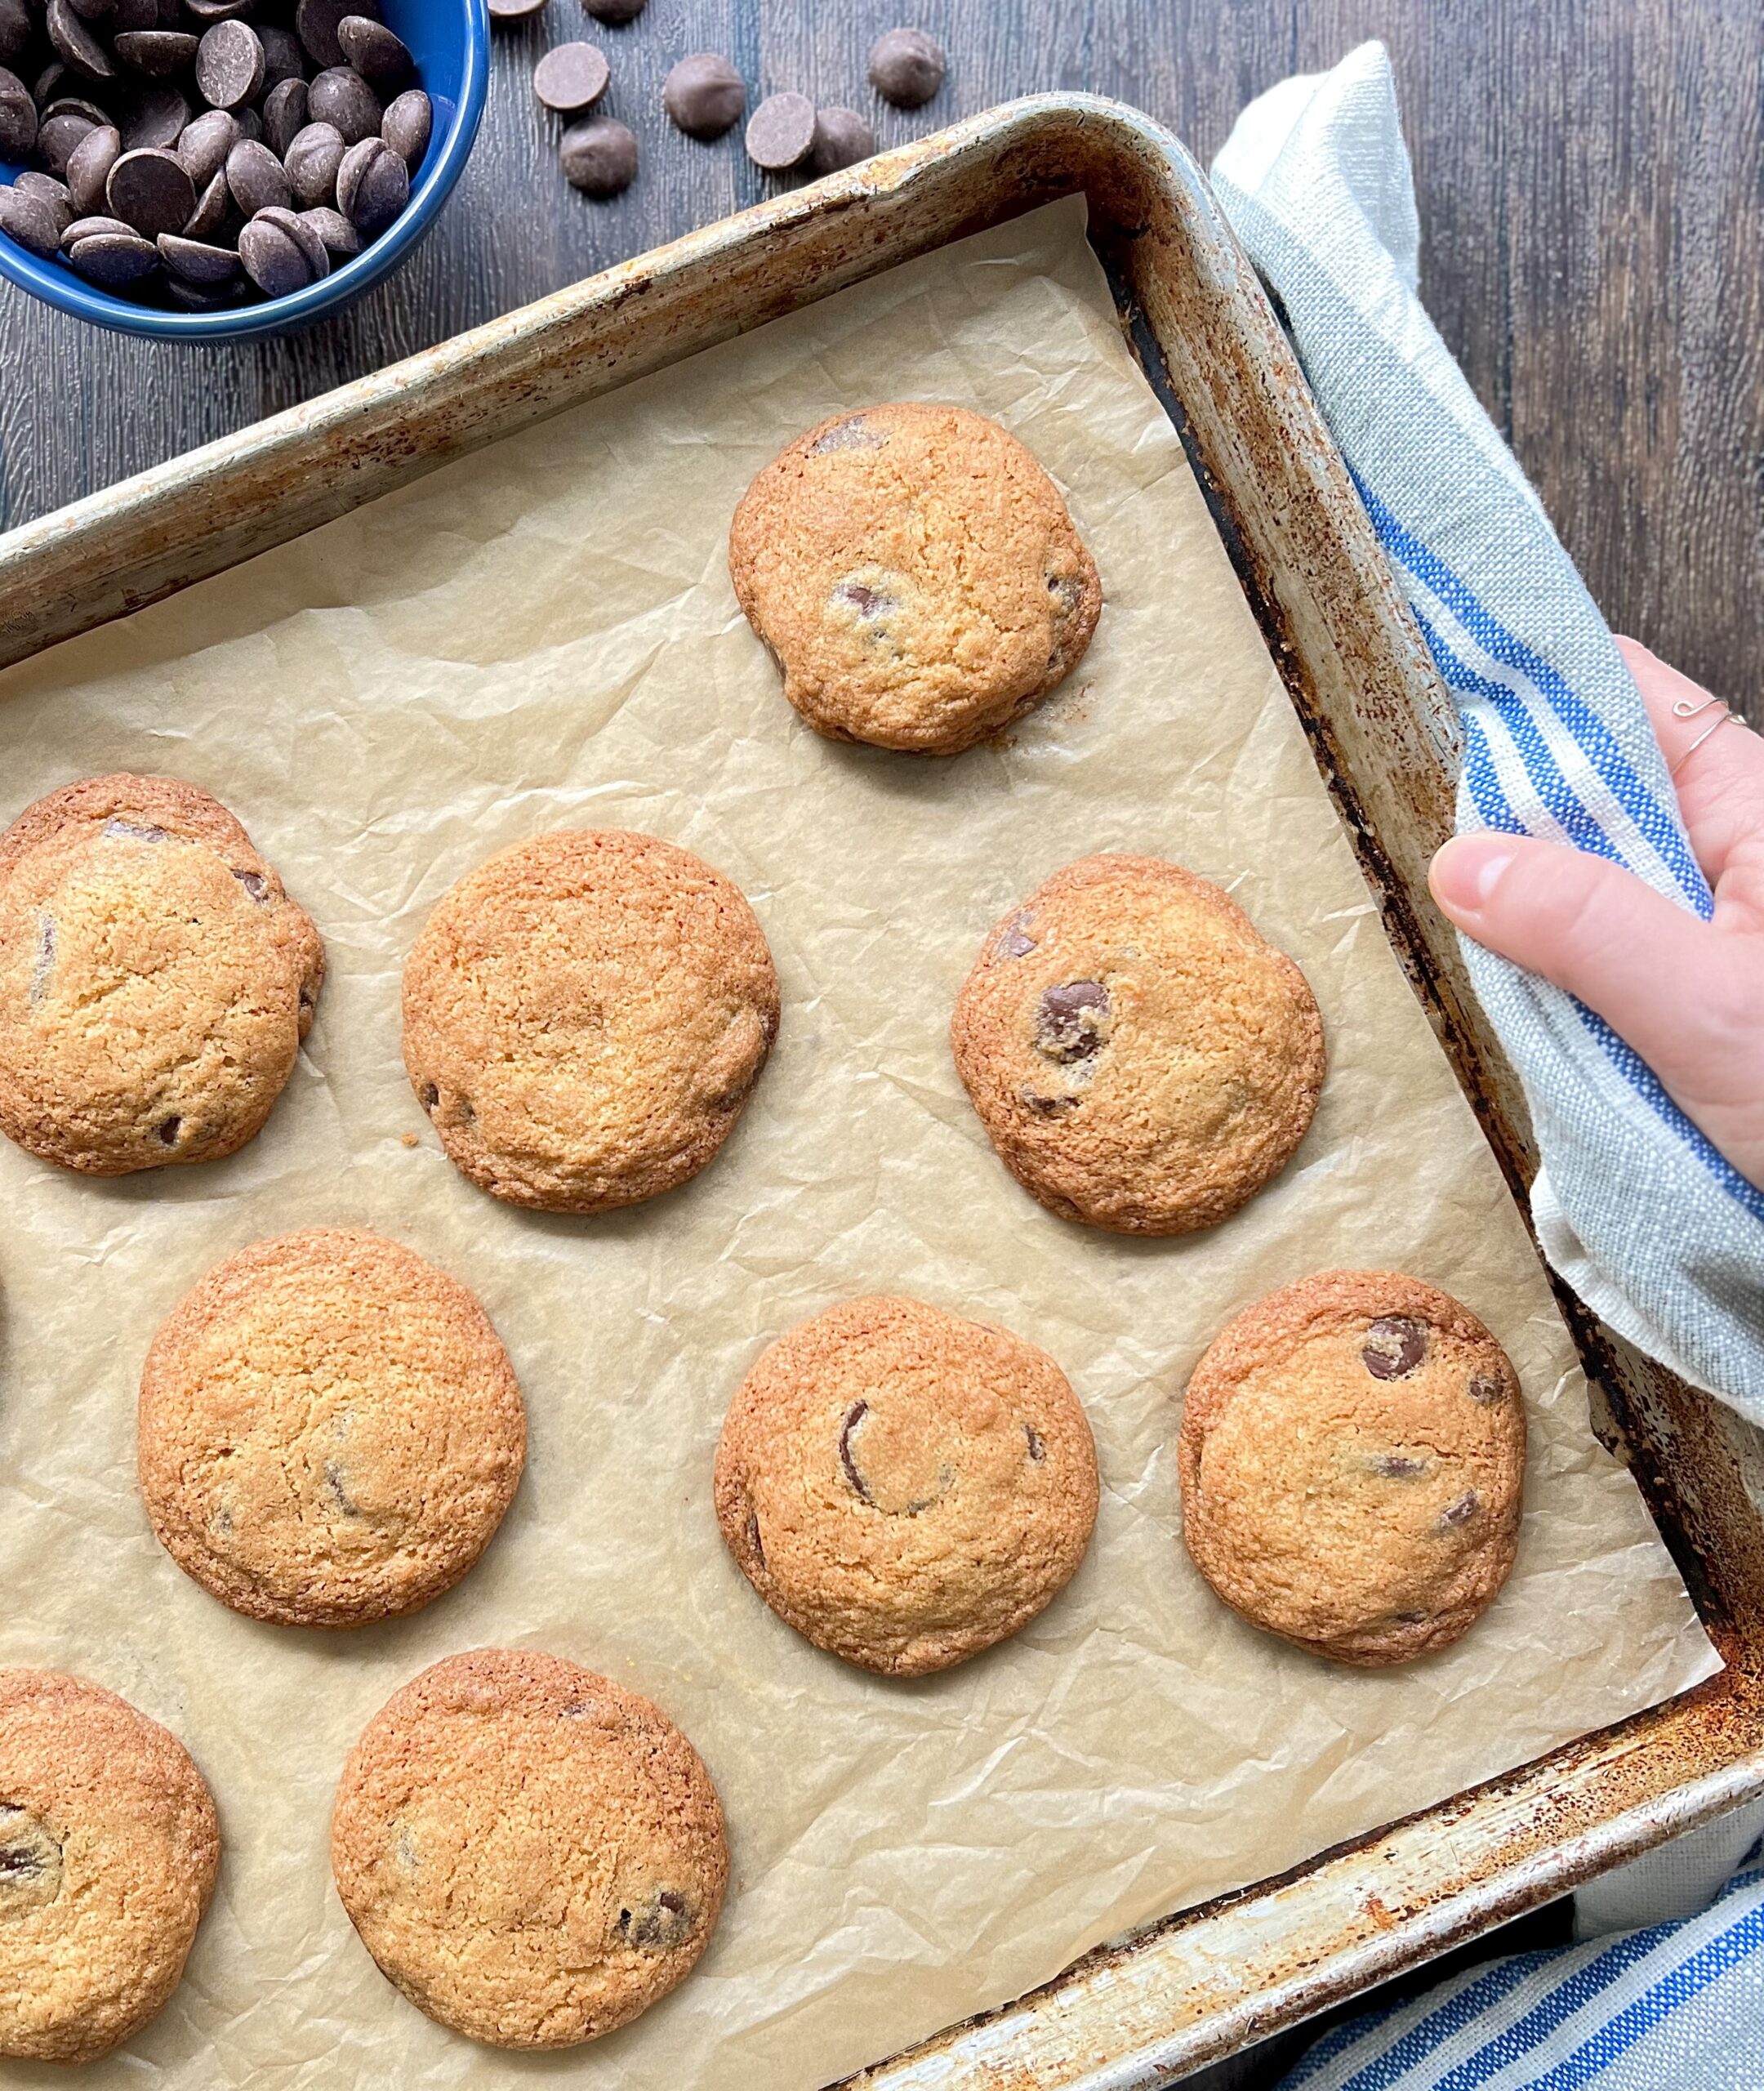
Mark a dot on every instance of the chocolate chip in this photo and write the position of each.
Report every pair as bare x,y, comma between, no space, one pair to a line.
203,297
14,30
659,1925
841,138
1037,1450
257,179
168,1130
151,190
907,67
254,882
89,165
1485,1389
598,156
1067,1020
342,97
74,43
1394,1346
431,1097
76,105
219,10
372,185
703,94
158,53
303,236
780,132
615,10
157,120
313,159
407,125
18,117
853,433
211,208
333,1474
515,10
284,56
57,137
194,261
338,235
382,59
274,260
1397,1466
869,602
1014,939
250,125
89,226
284,115
315,23
135,831
46,189
29,221
854,1415
230,64
571,77
1048,1107
1461,1512
30,1861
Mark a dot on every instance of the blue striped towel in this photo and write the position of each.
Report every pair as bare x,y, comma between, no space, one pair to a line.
1678,2007
1638,1212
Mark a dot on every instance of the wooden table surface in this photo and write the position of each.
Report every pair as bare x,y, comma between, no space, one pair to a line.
1591,200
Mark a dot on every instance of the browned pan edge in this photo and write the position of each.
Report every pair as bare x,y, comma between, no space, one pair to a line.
1196,1985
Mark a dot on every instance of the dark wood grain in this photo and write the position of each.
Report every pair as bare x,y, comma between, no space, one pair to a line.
1592,183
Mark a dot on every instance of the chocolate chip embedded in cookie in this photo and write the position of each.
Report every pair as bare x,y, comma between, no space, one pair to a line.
916,575
1140,1057
329,1430
531,1854
585,1016
904,1487
1351,1456
108,1850
155,979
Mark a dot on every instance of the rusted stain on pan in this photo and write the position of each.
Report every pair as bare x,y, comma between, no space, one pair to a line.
1184,1991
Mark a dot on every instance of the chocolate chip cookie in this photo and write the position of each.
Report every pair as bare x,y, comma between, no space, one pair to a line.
1353,1457
1140,1057
905,1487
109,1849
585,1016
531,1854
916,576
155,979
329,1430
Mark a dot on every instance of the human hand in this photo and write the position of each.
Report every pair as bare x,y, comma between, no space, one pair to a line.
1688,995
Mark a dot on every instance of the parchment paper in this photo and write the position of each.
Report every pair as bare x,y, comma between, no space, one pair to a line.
544,634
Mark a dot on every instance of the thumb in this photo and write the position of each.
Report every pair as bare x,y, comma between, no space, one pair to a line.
1645,965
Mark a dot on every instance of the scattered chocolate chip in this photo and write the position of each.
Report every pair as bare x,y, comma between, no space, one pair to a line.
254,882
211,208
89,165
230,64
303,236
1037,1450
1048,1107
168,1130
316,21
1461,1512
382,58
195,261
372,185
284,115
274,259
257,179
614,11
598,156
431,1097
869,602
1485,1389
572,77
30,1861
46,189
1393,1347
515,10
780,132
907,67
841,138
152,191
854,1415
339,236
663,1923
14,30
158,53
57,137
342,97
703,94
407,127
312,162
219,10
157,120
853,433
1397,1466
89,226
18,117
284,56
75,45
1068,1019
201,298
1014,939
29,221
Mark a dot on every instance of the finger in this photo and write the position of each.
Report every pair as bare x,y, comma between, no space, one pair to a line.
1718,770
1647,967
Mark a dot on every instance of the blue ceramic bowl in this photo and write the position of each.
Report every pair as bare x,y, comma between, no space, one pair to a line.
450,40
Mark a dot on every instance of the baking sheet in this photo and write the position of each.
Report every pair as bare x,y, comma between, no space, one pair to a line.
544,634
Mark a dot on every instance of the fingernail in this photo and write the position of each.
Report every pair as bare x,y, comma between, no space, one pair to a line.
1464,873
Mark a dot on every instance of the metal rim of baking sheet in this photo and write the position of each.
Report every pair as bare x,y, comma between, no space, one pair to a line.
1177,1994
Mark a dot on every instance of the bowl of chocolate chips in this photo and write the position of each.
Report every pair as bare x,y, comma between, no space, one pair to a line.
214,169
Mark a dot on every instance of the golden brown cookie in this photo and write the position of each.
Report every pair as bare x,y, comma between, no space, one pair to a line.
916,576
155,979
905,1487
531,1854
329,1430
1352,1457
1140,1057
584,1017
109,1849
